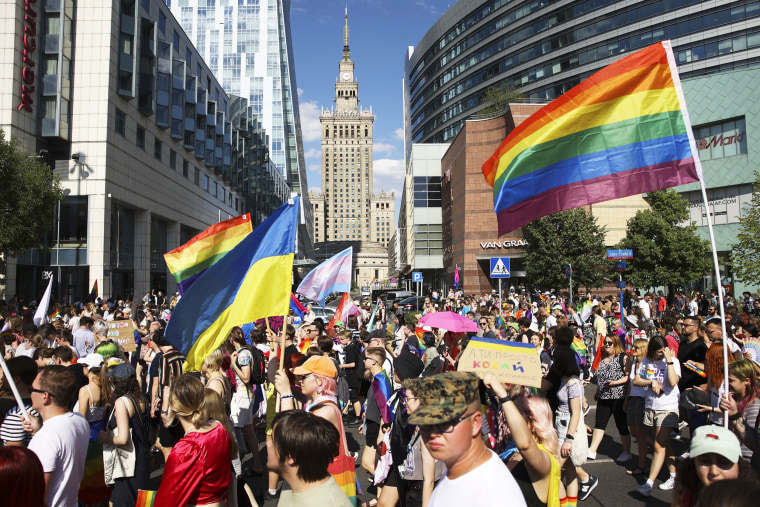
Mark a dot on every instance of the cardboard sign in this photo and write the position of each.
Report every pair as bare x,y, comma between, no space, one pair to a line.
122,332
512,362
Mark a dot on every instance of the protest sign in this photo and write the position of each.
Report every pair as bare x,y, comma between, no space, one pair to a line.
512,362
122,332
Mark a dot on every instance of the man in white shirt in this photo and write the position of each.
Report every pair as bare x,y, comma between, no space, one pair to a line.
61,441
450,421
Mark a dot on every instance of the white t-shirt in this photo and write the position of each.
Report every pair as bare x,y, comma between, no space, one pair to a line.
489,484
645,309
61,446
658,370
693,308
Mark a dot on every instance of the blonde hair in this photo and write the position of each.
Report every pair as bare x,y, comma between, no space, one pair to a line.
187,399
213,361
215,409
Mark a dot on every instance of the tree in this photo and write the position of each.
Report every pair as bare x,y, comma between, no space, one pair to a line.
498,98
745,253
30,192
665,252
573,237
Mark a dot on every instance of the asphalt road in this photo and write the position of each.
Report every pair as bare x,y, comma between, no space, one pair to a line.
616,488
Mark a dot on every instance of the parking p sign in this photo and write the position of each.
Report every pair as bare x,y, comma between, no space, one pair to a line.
417,276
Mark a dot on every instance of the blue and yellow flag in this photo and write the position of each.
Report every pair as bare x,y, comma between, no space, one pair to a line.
251,282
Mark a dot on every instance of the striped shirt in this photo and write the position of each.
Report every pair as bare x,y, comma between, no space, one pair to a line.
12,429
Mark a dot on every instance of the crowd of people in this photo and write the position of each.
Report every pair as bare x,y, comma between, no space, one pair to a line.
96,419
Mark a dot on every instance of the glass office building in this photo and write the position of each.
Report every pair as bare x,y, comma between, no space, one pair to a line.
545,47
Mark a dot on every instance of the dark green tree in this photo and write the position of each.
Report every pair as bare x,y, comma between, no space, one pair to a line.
27,206
498,98
665,251
745,253
569,237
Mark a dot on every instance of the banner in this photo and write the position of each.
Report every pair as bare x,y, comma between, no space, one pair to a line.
512,362
122,332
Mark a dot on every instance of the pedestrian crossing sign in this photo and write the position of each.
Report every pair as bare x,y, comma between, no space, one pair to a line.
500,267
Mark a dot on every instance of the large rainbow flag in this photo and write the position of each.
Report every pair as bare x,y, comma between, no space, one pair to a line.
623,131
189,261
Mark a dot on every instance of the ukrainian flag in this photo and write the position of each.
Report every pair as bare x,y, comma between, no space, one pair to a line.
251,282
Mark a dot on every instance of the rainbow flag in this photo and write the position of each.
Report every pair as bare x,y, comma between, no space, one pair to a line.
145,498
188,262
249,283
54,315
623,131
94,291
6,330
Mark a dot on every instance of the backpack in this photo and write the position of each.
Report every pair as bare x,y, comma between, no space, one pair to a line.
258,367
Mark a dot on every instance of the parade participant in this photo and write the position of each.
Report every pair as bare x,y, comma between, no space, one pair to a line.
743,405
215,379
92,400
241,404
634,406
21,468
84,339
217,411
302,448
659,373
23,371
537,470
714,455
128,429
354,372
450,422
610,396
198,469
60,442
378,413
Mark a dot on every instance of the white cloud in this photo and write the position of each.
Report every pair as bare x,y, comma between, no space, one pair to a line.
383,148
310,127
389,175
300,92
316,190
313,153
399,134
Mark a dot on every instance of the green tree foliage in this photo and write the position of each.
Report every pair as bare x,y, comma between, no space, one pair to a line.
665,252
745,253
27,206
498,98
573,237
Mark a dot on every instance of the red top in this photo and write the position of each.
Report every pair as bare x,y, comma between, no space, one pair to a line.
198,470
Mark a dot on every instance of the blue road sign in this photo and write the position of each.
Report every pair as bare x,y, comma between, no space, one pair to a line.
620,266
417,276
620,254
620,284
500,267
568,270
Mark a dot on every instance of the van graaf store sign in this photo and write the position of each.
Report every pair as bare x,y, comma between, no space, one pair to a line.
29,44
725,204
508,243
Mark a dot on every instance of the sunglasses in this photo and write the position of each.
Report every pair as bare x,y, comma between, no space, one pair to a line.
443,427
608,344
40,391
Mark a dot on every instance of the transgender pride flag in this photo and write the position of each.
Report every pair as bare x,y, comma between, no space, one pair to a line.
333,275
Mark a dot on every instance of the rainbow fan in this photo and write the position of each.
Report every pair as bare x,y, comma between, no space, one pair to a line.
752,345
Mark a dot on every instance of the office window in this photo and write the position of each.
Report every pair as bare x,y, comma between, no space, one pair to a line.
120,123
215,189
175,40
205,183
140,139
157,148
188,57
161,21
197,177
185,168
173,159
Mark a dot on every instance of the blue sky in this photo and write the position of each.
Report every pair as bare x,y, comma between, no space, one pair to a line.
379,34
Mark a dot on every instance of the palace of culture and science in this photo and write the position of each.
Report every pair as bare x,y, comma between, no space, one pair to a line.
348,212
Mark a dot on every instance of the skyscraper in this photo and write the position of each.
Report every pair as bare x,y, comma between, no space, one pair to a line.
348,211
248,46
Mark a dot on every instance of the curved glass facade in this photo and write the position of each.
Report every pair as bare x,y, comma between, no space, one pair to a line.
545,47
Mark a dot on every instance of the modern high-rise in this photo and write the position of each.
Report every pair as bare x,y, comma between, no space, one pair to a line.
248,45
348,210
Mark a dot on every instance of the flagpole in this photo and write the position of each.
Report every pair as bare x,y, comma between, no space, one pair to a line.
12,384
698,165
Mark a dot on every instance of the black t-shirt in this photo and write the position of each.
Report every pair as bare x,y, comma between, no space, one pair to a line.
354,355
153,373
78,370
694,351
551,395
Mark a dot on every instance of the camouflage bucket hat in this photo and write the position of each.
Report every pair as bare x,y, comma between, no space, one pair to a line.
445,397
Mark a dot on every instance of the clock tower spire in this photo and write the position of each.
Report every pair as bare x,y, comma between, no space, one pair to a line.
346,87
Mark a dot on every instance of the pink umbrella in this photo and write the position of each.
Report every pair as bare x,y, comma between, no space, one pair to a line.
449,321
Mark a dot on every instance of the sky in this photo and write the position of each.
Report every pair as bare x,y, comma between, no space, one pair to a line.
380,31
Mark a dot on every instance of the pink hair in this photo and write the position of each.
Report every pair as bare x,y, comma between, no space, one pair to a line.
327,385
535,409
